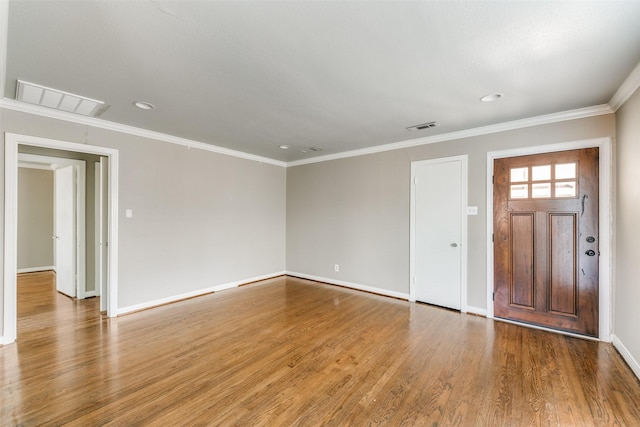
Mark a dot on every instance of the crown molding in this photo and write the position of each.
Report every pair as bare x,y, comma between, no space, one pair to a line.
11,104
626,89
484,130
580,113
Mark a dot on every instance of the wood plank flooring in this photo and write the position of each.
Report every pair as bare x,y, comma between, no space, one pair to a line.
289,352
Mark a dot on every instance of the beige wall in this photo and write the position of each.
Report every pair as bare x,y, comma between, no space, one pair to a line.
627,290
35,218
355,211
200,219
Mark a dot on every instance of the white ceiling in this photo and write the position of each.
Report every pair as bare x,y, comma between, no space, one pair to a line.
340,76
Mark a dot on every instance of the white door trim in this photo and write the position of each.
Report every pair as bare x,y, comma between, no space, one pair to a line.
53,163
463,227
605,221
11,216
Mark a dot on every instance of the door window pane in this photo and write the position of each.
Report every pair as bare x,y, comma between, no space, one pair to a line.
519,174
541,173
566,189
519,191
541,190
566,171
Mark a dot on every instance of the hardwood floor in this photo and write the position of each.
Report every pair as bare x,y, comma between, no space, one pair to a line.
292,352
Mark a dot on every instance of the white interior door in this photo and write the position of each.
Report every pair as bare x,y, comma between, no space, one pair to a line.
437,226
64,230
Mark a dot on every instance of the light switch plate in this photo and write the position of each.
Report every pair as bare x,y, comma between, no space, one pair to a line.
472,210
128,213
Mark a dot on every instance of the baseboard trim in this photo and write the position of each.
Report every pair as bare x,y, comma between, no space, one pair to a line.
196,293
626,355
35,269
357,286
4,342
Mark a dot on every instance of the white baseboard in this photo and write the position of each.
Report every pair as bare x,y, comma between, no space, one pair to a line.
199,292
626,355
357,286
4,342
477,311
35,269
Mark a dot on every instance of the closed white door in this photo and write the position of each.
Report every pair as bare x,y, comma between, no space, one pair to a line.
64,230
438,215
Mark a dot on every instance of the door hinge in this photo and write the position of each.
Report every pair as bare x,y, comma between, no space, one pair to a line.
493,296
493,179
414,280
492,237
415,180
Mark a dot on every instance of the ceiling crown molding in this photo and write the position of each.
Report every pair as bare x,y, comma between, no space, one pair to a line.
579,113
626,89
11,104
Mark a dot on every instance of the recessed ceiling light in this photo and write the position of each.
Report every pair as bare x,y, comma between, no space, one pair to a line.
144,105
284,147
492,97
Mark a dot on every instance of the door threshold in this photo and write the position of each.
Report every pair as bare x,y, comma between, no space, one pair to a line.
544,328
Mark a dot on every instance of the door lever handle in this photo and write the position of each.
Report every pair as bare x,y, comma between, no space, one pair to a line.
454,245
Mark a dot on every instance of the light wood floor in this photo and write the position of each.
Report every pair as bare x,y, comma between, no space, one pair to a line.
293,352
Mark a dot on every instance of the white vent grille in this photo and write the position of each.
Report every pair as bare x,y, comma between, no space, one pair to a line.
423,126
53,98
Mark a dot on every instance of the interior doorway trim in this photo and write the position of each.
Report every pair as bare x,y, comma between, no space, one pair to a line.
12,141
605,221
463,159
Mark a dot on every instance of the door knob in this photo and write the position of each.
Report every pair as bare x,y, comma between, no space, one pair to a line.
590,252
454,245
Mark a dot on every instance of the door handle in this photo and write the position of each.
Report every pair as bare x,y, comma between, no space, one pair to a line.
590,252
55,237
454,245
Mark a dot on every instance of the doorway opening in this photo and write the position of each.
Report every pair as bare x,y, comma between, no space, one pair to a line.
109,172
72,222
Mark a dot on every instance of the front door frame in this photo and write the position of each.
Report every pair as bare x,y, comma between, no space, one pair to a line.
11,142
605,223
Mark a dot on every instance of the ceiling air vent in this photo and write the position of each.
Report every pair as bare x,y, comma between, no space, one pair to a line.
53,98
422,126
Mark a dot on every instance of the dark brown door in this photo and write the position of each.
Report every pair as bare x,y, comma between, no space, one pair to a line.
546,240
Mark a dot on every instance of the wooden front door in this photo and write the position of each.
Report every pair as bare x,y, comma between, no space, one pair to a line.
546,240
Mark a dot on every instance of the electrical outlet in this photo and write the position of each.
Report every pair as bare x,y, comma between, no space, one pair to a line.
336,267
